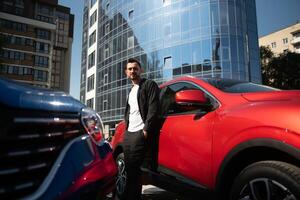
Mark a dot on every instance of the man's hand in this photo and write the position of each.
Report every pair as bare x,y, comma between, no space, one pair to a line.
145,134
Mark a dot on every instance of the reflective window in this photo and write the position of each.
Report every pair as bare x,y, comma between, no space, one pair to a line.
166,2
93,18
91,60
172,38
91,80
93,2
90,103
92,38
130,42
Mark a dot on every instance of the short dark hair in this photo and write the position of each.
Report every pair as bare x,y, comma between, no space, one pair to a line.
133,60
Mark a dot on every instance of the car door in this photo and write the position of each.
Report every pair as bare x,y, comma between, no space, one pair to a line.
185,140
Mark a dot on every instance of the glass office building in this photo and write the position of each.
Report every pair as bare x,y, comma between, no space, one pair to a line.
171,38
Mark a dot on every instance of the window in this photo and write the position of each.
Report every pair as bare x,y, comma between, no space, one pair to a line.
41,61
19,11
91,60
105,106
61,26
93,2
167,99
92,38
107,7
107,28
93,18
42,47
28,71
19,3
90,85
168,62
166,2
130,14
20,27
273,44
60,38
84,36
167,29
44,18
40,75
130,42
3,69
29,42
90,103
43,34
285,40
105,79
13,55
106,53
45,9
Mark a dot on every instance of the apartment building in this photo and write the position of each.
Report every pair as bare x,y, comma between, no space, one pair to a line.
286,39
37,39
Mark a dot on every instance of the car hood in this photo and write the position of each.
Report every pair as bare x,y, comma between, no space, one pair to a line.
19,95
282,95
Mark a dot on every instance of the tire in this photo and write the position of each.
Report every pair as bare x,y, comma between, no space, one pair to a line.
121,181
267,180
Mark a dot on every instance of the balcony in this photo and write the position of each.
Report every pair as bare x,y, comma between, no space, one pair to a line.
295,41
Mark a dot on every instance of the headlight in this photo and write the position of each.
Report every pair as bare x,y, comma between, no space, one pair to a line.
92,124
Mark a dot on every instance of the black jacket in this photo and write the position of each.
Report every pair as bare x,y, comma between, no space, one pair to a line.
148,100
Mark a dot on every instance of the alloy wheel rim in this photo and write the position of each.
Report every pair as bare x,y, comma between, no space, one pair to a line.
265,189
121,177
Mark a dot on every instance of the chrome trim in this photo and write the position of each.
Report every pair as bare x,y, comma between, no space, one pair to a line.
37,166
25,185
49,178
54,134
46,120
9,171
46,149
18,153
29,136
71,132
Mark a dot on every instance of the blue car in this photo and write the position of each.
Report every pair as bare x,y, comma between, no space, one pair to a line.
51,146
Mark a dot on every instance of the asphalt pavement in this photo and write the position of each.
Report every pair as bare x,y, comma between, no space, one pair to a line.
151,192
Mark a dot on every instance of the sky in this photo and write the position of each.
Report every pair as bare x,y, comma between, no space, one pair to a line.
272,15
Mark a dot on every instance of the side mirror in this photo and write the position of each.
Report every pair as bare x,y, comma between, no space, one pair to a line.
190,97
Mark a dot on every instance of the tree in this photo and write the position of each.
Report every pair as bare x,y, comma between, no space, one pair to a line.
266,55
282,71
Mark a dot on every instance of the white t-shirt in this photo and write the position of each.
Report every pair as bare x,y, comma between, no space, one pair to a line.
135,120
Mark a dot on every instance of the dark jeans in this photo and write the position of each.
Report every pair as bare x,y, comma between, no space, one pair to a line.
134,152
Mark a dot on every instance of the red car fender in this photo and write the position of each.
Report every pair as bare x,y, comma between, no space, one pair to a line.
230,143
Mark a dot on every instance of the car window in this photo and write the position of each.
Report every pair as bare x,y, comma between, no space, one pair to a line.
168,105
238,86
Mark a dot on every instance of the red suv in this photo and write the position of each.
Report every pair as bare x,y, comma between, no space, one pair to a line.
226,139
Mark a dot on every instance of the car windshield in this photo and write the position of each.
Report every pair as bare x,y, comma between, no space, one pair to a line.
237,86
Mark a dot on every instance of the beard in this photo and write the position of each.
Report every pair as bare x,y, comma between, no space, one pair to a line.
134,77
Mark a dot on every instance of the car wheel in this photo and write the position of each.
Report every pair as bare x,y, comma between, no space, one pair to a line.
121,177
267,180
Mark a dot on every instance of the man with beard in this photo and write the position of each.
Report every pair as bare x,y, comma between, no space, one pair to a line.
142,125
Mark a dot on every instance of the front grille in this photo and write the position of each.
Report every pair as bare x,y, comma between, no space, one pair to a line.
30,142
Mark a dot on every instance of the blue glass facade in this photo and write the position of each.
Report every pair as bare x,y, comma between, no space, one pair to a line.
209,38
